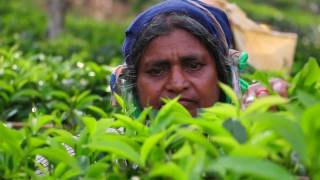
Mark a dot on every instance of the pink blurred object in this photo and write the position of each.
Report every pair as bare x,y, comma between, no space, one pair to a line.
257,90
280,86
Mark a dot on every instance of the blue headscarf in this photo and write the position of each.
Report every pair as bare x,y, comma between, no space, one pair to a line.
195,9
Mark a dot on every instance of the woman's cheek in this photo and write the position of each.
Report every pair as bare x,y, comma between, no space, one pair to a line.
149,92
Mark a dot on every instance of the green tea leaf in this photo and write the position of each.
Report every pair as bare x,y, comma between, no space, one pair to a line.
86,101
196,164
231,94
228,142
307,77
59,170
81,96
72,173
57,155
170,113
213,128
6,87
31,93
129,123
237,130
219,111
60,106
184,151
83,162
38,122
311,119
260,169
102,126
198,139
4,97
263,104
91,124
148,145
307,99
116,146
98,111
287,129
61,135
12,138
97,170
250,151
143,115
261,77
168,170
120,101
35,142
311,127
60,95
10,74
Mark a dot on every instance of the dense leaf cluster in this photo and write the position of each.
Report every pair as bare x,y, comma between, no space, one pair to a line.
25,23
55,93
223,142
41,84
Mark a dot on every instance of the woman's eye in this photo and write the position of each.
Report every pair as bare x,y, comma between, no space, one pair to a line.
156,71
194,66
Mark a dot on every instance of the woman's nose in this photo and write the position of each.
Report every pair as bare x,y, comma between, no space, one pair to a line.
177,81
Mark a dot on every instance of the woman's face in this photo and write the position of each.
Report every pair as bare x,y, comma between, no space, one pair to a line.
177,64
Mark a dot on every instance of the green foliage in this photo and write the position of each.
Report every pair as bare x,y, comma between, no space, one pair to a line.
58,91
223,142
24,23
40,84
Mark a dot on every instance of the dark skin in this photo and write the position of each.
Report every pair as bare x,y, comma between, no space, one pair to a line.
177,64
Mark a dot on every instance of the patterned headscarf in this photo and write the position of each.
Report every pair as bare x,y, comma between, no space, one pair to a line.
213,19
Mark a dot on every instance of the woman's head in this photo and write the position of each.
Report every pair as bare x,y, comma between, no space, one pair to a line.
177,64
175,55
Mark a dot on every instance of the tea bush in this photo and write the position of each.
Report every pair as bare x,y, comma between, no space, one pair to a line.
223,142
55,93
51,85
24,23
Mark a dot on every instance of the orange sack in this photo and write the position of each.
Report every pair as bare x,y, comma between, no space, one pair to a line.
267,49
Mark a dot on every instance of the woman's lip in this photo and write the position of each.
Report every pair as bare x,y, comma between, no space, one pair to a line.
186,99
187,102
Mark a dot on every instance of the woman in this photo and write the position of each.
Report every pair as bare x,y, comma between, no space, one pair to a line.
178,48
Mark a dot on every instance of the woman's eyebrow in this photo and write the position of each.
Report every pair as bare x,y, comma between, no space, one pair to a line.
156,62
192,57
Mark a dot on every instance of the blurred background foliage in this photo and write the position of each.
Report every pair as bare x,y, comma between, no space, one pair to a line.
96,29
51,75
24,23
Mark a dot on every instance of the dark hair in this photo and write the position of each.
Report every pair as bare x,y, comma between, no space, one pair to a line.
165,23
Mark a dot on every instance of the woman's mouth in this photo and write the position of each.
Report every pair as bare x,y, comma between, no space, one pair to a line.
188,103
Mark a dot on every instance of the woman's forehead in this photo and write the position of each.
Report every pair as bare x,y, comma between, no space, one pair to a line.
179,45
177,38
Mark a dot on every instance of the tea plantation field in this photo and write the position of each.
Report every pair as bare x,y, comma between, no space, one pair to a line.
55,104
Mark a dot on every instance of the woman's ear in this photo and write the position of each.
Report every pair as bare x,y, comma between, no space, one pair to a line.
232,53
